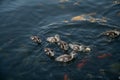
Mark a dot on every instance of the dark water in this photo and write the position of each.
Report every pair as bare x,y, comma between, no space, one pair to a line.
20,59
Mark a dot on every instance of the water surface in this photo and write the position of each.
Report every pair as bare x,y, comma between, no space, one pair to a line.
21,59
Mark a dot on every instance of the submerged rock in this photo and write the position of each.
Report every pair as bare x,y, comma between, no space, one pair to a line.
115,67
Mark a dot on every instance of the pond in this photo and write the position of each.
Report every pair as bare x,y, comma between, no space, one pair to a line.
76,21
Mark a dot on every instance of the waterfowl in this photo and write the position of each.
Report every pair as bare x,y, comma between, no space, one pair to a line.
66,57
80,48
36,39
63,45
111,33
49,52
54,39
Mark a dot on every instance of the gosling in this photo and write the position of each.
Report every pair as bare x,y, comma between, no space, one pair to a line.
54,39
111,34
79,48
63,45
36,39
66,57
49,52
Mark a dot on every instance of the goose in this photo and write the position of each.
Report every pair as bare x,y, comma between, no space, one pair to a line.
54,39
63,45
36,39
49,52
111,33
79,48
66,57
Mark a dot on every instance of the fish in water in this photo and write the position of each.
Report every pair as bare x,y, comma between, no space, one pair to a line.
82,63
36,39
103,56
66,77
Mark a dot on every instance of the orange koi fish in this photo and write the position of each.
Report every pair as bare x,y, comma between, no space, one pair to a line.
103,56
66,77
82,63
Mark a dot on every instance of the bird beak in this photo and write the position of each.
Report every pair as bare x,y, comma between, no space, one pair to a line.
45,50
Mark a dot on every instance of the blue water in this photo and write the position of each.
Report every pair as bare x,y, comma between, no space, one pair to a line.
21,59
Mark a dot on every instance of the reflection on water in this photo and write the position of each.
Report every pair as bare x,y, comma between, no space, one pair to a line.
76,21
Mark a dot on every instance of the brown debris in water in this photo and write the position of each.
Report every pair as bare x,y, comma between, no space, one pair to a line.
89,17
78,18
103,19
92,19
